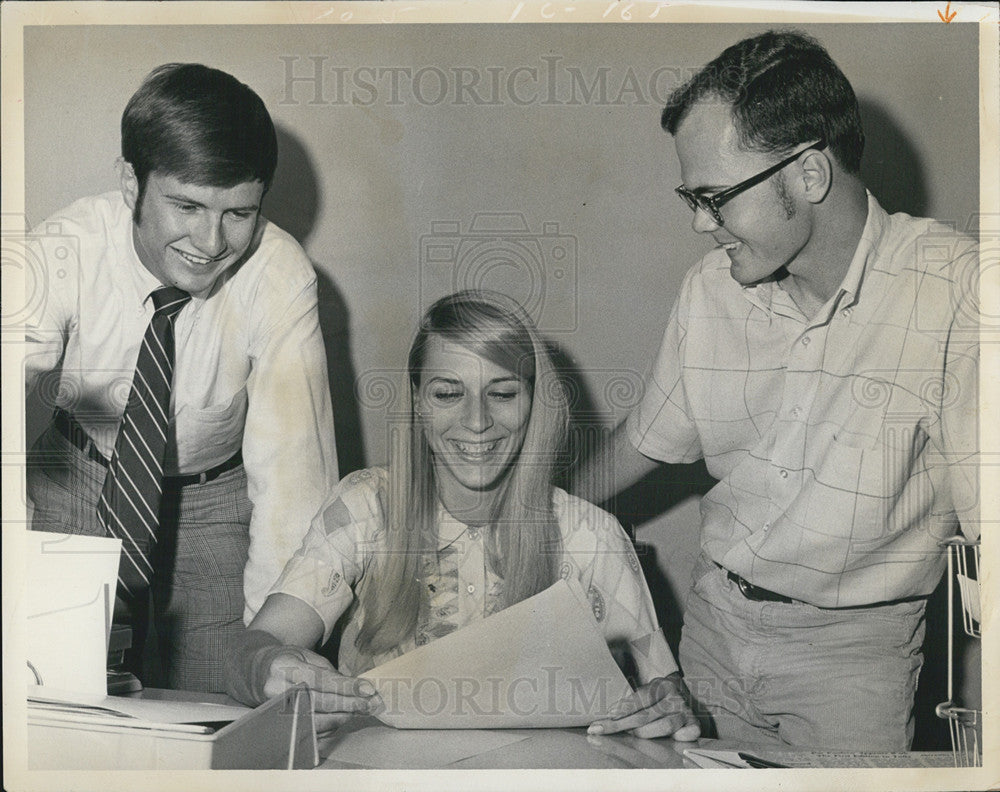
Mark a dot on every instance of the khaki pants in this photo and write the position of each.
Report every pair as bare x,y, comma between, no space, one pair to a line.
794,674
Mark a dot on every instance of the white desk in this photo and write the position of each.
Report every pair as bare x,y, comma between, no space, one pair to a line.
363,742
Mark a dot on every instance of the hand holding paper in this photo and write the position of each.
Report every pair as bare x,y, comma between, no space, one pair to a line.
660,708
335,696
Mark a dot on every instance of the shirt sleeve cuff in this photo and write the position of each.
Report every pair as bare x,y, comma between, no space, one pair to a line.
653,657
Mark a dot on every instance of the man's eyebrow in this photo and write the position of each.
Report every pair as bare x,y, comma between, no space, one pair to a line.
708,189
185,199
182,199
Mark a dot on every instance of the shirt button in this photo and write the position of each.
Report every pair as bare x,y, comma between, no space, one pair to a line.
767,526
796,411
846,312
805,341
471,589
783,473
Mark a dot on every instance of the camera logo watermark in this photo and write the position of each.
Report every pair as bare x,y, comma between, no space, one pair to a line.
34,260
498,251
961,261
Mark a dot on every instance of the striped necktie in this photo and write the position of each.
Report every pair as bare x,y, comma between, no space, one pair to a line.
129,505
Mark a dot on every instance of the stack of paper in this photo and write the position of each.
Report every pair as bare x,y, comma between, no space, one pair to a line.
48,704
68,731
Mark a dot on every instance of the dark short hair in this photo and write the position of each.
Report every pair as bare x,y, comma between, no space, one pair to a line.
785,90
199,125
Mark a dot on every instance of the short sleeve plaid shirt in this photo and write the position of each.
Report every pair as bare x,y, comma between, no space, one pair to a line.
846,445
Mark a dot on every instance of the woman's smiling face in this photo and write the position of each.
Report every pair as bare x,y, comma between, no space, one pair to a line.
474,415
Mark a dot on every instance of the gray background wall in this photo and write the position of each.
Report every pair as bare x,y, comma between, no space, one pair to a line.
370,169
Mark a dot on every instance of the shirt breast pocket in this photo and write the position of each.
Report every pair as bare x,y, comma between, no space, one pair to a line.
862,488
205,433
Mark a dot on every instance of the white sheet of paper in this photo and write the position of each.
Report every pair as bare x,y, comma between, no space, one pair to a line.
540,663
146,710
970,596
384,748
714,759
69,596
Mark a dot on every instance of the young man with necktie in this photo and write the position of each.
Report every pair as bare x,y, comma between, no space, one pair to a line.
180,347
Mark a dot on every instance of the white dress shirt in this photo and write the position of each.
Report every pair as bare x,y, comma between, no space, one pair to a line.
250,367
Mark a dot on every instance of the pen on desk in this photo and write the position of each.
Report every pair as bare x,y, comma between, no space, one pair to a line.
756,761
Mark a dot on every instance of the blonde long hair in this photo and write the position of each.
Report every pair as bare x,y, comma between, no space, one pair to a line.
523,545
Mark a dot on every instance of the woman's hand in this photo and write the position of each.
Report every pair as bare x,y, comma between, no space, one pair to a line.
335,696
660,708
294,625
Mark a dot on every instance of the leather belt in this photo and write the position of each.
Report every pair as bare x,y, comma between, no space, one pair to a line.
70,429
756,593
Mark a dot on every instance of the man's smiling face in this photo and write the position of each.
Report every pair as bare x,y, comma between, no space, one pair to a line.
762,230
187,235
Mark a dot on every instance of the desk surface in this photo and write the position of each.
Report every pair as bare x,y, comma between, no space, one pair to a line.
364,742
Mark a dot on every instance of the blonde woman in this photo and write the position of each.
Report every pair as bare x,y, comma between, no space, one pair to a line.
464,522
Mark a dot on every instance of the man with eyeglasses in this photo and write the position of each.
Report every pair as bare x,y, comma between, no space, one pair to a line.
823,361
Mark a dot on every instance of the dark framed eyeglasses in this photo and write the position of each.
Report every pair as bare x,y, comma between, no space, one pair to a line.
713,203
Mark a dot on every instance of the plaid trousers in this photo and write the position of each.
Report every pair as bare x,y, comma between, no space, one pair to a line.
197,592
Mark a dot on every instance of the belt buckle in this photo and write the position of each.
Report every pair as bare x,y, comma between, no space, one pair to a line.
746,587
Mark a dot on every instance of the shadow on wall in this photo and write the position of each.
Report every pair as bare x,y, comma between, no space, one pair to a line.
293,200
891,167
662,490
293,204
